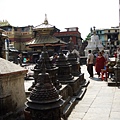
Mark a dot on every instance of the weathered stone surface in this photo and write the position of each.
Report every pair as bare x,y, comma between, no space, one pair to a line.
7,67
12,92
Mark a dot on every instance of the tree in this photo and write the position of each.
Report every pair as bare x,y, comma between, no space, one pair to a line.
88,37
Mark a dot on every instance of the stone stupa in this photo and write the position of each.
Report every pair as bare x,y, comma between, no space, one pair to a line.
94,44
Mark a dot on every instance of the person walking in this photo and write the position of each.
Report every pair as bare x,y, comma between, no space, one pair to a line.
105,55
100,63
20,59
90,60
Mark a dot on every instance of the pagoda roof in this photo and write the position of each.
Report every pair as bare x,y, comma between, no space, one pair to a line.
47,40
43,26
44,36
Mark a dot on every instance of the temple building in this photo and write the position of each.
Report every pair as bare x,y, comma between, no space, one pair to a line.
30,40
43,36
18,36
72,34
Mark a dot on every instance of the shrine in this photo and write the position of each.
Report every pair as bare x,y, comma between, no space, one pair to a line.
44,102
50,68
43,35
94,44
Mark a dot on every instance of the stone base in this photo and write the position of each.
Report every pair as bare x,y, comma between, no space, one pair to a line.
67,95
68,108
81,93
75,84
112,82
70,101
17,115
83,81
83,60
86,83
70,93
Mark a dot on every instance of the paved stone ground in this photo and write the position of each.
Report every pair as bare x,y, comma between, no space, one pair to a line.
100,101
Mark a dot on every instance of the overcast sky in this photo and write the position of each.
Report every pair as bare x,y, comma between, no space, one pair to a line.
62,13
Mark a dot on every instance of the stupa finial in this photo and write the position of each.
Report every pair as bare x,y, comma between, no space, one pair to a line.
94,30
45,21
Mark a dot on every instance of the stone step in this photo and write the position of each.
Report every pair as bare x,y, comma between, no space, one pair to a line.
81,93
86,83
69,107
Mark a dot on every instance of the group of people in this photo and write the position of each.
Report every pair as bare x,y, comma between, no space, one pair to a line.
100,62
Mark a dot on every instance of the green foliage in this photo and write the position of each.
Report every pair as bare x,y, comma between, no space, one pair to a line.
88,37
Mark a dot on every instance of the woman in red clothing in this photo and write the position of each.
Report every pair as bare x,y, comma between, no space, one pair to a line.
100,63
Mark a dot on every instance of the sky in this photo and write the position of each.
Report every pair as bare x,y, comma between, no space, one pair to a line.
83,14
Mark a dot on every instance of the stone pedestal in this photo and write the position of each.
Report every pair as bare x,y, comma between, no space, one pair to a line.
75,65
75,85
12,95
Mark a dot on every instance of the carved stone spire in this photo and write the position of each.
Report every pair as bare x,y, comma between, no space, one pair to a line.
44,102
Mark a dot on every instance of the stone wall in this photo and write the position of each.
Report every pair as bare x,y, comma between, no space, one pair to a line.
12,91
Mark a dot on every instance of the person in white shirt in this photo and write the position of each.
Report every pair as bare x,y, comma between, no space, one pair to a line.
90,60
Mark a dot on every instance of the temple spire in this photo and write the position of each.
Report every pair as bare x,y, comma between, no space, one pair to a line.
45,21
